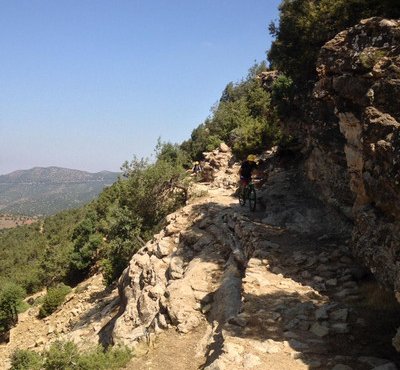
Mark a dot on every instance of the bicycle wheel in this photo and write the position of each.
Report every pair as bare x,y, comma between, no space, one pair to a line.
252,199
242,196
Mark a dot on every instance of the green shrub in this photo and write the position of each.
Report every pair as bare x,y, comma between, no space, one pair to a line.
10,300
86,243
249,137
38,301
54,298
369,57
23,306
201,141
282,94
98,359
23,359
149,193
244,119
62,355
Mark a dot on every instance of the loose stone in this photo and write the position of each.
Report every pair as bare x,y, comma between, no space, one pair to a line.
340,328
388,366
319,330
331,282
342,367
321,313
339,315
373,361
250,361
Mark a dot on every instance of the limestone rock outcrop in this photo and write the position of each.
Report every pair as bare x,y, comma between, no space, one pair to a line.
168,281
219,167
353,139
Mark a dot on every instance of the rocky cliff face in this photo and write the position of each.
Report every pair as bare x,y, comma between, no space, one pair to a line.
353,139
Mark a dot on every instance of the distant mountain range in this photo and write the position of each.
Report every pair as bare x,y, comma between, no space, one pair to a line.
48,190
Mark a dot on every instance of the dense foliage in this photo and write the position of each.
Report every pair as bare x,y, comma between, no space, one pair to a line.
26,360
10,299
149,193
35,256
66,356
244,118
305,25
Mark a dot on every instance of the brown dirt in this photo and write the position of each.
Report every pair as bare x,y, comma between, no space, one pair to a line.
11,221
171,350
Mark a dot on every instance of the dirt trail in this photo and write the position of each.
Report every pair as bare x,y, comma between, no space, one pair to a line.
287,299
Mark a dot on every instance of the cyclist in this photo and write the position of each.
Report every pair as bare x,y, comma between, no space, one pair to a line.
246,169
196,168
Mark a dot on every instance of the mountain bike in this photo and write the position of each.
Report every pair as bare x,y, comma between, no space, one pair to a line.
248,192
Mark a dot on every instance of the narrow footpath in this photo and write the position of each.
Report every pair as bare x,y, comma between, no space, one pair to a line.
276,289
221,287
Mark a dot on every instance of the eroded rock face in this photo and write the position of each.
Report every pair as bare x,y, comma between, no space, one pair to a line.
175,290
354,140
171,280
218,168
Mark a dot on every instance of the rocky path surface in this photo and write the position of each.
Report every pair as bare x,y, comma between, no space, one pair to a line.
275,290
221,287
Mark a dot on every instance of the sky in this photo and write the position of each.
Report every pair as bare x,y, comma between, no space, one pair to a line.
88,84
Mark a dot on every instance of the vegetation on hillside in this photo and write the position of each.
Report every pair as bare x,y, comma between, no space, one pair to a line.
10,301
244,118
34,256
104,234
53,299
305,25
65,248
66,356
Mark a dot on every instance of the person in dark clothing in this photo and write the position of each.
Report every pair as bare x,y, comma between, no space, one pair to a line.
196,167
246,169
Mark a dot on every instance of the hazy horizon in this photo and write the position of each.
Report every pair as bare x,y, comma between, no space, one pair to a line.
65,168
88,85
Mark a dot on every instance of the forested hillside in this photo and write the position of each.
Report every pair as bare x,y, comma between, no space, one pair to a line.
46,191
72,244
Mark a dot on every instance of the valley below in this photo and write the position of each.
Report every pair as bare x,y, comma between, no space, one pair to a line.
46,191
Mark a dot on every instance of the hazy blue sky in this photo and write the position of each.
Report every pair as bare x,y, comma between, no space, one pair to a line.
88,84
